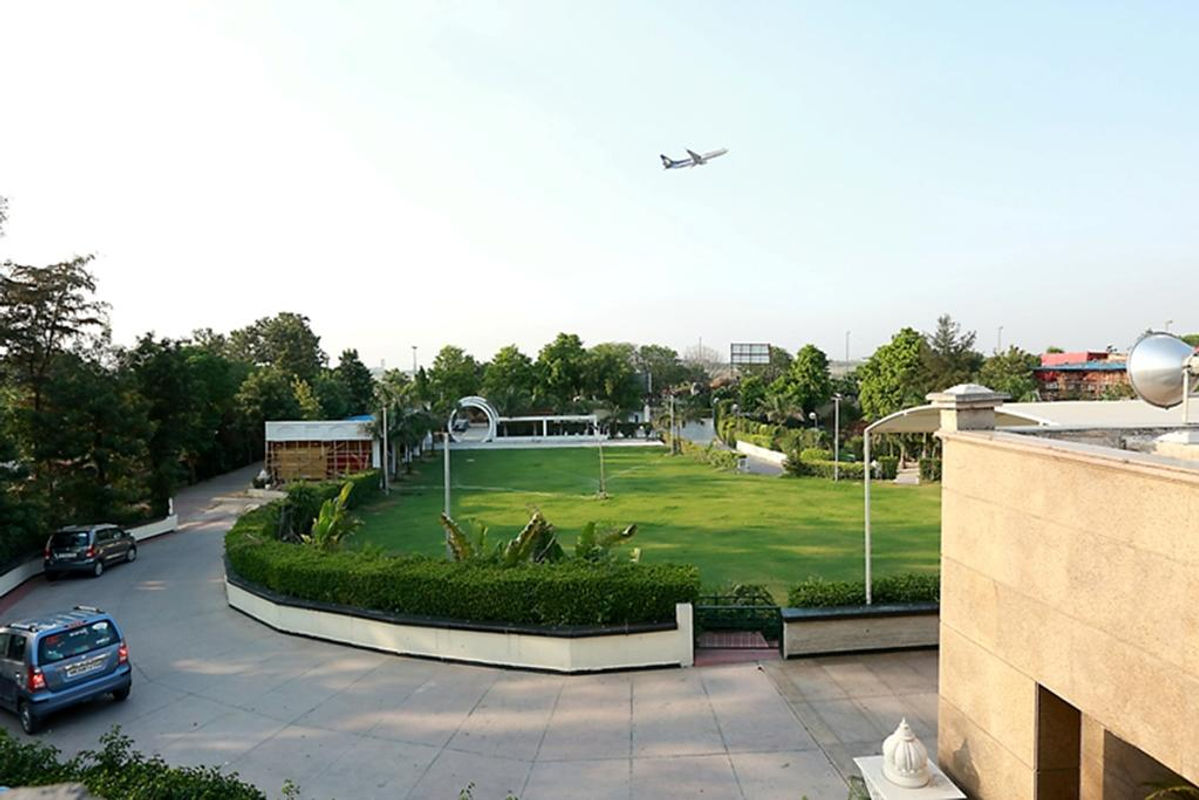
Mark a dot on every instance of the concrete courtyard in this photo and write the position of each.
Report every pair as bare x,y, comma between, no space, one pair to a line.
214,687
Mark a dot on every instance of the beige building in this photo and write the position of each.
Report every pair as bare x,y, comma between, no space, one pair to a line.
1069,660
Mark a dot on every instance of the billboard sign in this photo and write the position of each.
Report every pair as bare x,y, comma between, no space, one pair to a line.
742,354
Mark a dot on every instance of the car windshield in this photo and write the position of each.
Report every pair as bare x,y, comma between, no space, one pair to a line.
76,641
69,539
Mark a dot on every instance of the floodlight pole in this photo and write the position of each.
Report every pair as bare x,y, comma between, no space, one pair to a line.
603,489
446,471
866,479
386,488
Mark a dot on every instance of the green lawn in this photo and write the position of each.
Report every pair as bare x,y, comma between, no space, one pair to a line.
736,528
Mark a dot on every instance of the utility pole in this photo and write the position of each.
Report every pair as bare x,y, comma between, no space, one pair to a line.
414,362
673,446
603,488
999,345
386,488
847,351
446,471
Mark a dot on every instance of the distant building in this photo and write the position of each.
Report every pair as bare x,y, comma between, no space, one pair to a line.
1084,375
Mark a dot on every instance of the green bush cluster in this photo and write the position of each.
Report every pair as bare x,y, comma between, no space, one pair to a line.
564,593
908,587
304,498
116,770
888,467
849,470
930,470
815,454
772,437
710,454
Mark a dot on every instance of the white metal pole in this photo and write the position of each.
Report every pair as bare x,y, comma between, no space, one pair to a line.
836,437
385,464
869,594
603,486
446,471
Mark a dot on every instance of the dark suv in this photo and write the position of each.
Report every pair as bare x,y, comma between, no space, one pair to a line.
52,662
87,548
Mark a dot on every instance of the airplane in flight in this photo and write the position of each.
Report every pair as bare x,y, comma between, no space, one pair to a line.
693,159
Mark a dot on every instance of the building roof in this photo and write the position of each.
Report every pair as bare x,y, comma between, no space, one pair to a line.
339,430
1062,415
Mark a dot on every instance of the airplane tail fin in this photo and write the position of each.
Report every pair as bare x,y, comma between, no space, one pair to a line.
666,162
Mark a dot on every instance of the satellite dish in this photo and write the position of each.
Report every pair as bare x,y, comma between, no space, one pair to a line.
1155,369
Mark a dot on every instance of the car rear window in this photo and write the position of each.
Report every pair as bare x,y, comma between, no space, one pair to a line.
69,539
76,641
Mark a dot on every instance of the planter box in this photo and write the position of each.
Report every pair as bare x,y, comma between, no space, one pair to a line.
574,649
855,629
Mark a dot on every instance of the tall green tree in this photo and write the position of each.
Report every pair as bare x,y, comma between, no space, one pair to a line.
454,375
1191,338
43,312
893,377
265,394
609,377
779,364
332,395
949,357
306,400
509,380
561,369
1011,372
660,368
751,394
806,383
359,383
285,341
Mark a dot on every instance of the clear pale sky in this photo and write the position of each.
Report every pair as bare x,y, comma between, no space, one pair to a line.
484,173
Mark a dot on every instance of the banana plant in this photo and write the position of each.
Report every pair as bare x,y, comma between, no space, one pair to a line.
334,523
537,542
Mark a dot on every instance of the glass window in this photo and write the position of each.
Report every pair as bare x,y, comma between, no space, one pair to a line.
76,641
16,647
69,539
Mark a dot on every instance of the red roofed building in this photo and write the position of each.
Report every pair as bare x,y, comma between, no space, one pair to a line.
1084,375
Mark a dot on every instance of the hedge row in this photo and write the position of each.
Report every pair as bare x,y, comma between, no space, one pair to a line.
304,499
118,771
848,470
773,437
566,593
906,588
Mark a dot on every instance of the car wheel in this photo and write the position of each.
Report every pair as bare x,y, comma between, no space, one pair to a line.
131,554
29,723
98,570
121,694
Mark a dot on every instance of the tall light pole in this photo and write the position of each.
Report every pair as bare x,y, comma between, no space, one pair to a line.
386,488
847,350
1169,322
837,436
999,344
812,416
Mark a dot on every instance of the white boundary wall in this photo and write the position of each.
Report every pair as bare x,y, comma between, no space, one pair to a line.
30,569
752,450
505,649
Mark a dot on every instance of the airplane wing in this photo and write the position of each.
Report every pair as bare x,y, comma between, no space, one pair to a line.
714,153
696,158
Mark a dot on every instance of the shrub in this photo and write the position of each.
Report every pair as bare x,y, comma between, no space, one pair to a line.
888,467
717,457
116,770
565,593
930,470
304,499
818,592
815,454
849,470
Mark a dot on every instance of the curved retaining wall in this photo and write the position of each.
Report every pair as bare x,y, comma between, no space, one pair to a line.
771,456
578,649
32,568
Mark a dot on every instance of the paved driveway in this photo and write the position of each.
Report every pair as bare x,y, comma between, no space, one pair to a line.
213,687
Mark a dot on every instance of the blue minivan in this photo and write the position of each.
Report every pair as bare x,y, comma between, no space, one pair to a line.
55,661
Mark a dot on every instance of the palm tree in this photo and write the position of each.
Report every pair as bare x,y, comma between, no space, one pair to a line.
779,408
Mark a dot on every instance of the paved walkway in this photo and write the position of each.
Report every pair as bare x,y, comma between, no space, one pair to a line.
214,687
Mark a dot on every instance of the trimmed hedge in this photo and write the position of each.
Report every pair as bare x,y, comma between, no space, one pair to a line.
888,467
930,470
710,454
849,470
905,588
565,593
304,498
116,770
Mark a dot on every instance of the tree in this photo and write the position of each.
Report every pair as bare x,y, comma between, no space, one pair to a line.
780,362
660,367
1191,338
807,383
3,213
893,377
266,394
359,383
285,341
751,394
454,375
1054,349
332,394
309,405
704,360
779,406
1011,372
43,312
560,369
949,357
609,377
509,380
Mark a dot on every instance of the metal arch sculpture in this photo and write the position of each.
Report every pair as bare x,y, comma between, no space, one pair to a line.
480,404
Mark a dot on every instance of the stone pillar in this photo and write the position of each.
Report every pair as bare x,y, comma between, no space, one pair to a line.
967,407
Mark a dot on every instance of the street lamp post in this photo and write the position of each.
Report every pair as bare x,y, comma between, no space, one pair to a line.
837,436
847,350
812,416
414,361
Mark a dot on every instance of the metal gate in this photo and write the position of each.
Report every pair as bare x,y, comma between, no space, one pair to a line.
737,622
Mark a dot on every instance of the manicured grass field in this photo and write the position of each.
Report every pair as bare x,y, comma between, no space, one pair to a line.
737,528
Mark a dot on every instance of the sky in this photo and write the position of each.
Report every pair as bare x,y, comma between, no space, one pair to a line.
484,173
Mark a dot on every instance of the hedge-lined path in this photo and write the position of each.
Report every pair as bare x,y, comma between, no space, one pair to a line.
214,687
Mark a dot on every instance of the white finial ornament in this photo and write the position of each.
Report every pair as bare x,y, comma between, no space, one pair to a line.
905,758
